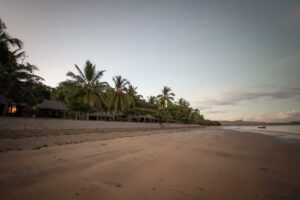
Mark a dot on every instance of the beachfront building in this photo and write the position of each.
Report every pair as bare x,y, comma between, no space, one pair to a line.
108,116
143,118
48,108
51,108
12,109
105,116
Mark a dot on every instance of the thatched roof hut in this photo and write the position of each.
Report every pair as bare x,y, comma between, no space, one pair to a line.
51,108
101,115
143,118
52,105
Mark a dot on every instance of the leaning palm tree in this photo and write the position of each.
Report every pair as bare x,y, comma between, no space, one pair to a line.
88,80
120,99
6,38
14,76
165,99
6,42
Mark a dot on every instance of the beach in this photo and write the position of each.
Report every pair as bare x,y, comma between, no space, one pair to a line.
183,163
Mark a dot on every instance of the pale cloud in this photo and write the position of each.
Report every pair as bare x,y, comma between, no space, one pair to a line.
203,107
213,102
288,61
215,111
286,116
290,115
216,107
237,96
262,117
232,98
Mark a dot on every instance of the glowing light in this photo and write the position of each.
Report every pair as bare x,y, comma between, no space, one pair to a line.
12,109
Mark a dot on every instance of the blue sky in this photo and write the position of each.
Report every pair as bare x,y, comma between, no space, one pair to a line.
231,59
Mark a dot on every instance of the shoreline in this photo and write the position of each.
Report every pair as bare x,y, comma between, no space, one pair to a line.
209,163
18,140
291,135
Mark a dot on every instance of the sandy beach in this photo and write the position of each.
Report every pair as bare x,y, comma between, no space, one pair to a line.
204,163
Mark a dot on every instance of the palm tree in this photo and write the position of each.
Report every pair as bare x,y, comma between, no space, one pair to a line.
18,82
133,95
196,117
90,86
180,110
14,76
6,42
120,99
9,69
183,103
152,101
166,98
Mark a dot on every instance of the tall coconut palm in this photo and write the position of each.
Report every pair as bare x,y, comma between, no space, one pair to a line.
166,98
180,110
6,42
152,101
90,86
120,99
133,95
9,68
183,104
14,76
196,117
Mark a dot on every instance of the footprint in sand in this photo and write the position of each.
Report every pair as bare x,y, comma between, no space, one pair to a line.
199,188
264,169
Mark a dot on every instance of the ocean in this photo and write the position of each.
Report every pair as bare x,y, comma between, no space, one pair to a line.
282,131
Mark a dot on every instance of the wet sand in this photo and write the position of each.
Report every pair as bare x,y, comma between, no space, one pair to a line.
206,163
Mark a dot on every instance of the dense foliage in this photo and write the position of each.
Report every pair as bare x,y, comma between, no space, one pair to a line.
17,79
85,92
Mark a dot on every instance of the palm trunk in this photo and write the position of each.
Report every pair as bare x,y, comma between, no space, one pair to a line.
5,109
87,116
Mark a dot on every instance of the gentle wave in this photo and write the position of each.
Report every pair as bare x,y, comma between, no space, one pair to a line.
283,131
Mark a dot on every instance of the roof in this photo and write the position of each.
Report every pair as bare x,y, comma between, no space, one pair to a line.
3,100
7,101
101,114
51,104
145,110
143,116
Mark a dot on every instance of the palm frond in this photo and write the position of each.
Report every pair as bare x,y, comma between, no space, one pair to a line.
15,42
79,71
98,75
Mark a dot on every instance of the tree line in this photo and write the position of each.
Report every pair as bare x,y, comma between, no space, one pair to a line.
84,92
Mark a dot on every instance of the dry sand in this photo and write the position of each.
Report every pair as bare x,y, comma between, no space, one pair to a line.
208,163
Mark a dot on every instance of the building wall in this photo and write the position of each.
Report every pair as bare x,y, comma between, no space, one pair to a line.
12,123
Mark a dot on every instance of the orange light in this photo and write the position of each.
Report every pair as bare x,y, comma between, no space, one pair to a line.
12,109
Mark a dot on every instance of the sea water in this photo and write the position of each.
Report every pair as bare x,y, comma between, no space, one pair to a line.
281,131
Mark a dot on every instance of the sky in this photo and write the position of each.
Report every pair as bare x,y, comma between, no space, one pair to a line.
234,60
